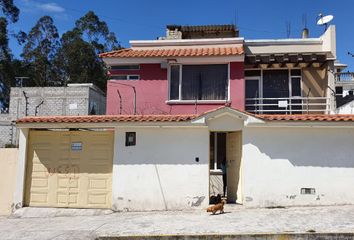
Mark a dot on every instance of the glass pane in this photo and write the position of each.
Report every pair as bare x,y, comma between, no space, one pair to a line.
252,91
296,86
174,82
125,67
221,149
252,73
118,77
295,72
211,151
204,82
275,85
296,104
134,77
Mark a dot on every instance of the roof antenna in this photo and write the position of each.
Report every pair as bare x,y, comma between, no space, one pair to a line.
235,17
288,29
305,30
304,20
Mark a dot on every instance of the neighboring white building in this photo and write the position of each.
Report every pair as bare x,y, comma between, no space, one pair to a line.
163,162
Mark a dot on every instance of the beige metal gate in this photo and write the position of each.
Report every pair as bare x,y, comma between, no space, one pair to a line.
69,169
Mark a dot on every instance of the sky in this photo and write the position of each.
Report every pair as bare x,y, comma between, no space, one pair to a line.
146,19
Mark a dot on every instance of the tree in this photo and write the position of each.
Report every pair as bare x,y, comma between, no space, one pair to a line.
6,71
7,77
41,46
77,59
96,32
10,10
78,62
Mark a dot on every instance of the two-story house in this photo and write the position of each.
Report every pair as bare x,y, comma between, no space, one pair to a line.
198,68
168,141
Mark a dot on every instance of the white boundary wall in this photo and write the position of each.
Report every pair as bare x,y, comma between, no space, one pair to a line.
279,161
161,172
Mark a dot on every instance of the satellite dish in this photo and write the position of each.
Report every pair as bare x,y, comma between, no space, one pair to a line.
324,20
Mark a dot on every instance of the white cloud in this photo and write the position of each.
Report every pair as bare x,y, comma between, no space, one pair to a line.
34,6
50,7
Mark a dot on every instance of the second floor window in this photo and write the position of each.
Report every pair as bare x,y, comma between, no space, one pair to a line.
199,82
124,77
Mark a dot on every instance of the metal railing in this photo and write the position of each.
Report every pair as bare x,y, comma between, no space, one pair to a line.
345,77
290,105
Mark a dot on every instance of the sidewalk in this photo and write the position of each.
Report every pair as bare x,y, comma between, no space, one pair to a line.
64,224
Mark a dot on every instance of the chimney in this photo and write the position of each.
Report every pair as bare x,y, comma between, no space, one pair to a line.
305,33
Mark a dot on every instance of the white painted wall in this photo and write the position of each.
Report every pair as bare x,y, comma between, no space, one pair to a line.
347,108
160,172
278,162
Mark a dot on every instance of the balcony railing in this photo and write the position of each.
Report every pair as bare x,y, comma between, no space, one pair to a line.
345,77
291,105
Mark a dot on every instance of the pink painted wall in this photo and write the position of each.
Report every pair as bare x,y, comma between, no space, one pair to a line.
152,92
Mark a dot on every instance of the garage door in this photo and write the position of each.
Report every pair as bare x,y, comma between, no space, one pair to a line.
69,169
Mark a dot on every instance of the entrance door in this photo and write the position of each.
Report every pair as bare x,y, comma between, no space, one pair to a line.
233,158
69,169
226,146
217,161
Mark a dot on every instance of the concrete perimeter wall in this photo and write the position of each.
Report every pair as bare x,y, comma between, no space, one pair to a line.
7,133
8,164
161,171
278,162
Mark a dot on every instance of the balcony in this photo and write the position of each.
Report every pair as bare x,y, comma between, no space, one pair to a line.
345,77
289,105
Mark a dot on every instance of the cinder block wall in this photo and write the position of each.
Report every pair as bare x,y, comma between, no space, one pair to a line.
56,101
76,99
6,130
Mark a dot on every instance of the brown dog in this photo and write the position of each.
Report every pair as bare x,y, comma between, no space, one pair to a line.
217,207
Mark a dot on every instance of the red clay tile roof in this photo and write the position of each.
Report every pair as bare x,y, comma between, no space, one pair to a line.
107,118
309,117
181,118
178,52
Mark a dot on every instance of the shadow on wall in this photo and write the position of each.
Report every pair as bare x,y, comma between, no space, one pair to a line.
316,80
321,147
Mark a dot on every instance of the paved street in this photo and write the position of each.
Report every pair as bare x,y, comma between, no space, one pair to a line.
66,224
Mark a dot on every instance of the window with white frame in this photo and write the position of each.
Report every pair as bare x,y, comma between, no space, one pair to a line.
124,77
276,83
198,82
273,86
